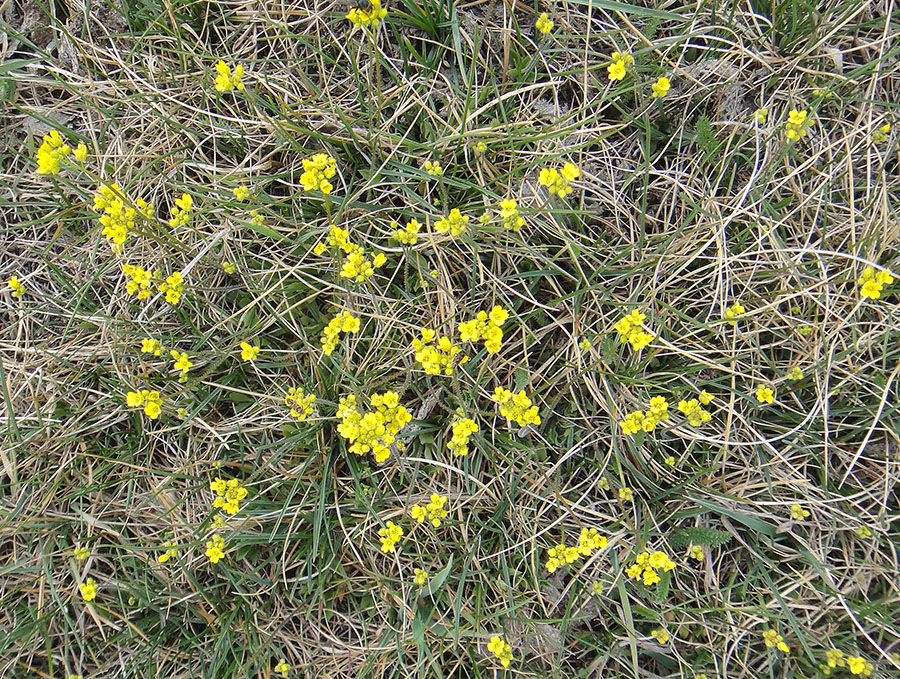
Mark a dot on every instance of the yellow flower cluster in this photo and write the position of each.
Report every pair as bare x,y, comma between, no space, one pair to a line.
344,322
372,431
215,548
434,511
557,181
765,394
774,639
409,235
486,326
589,541
389,536
501,649
241,193
516,407
620,61
420,576
879,136
139,281
357,265
433,168
16,286
182,363
151,346
796,124
53,150
696,553
228,494
300,403
151,401
872,282
859,665
173,286
116,219
695,413
181,213
462,432
317,170
631,330
732,312
226,80
544,23
660,87
798,513
171,552
81,553
249,352
360,17
437,356
509,213
660,635
88,589
646,421
455,223
648,565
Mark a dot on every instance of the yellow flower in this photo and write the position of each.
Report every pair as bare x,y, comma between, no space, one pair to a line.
229,267
455,223
697,553
798,513
732,312
501,649
433,168
300,403
879,136
343,322
226,80
761,114
705,397
765,394
360,17
18,289
420,576
509,213
389,536
625,493
228,494
796,124
544,23
660,635
181,213
173,287
774,639
871,282
317,170
151,346
864,532
795,374
170,552
80,153
81,553
249,352
407,236
616,70
241,192
215,548
660,87
181,361
51,152
462,432
516,407
89,591
282,668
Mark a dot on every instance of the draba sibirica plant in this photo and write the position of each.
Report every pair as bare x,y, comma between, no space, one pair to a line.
139,280
796,125
300,403
115,217
361,17
437,355
733,312
660,88
373,430
434,511
357,265
228,494
344,322
872,282
54,150
462,432
544,23
317,171
486,326
516,407
389,536
618,67
774,640
17,287
181,213
630,329
646,421
150,401
557,181
648,565
408,235
173,286
215,548
509,213
226,80
501,649
589,541
455,223
695,413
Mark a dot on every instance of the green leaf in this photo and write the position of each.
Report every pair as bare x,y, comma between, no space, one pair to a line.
438,580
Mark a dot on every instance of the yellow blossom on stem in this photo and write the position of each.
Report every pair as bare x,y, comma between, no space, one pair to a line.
501,649
871,282
14,284
486,326
228,494
365,18
181,363
88,590
170,552
282,668
660,635
437,355
173,286
249,352
215,548
765,394
389,536
557,181
149,400
774,640
317,170
879,136
660,87
433,168
544,24
300,403
408,235
859,665
455,223
81,553
151,346
509,213
694,412
181,213
630,329
732,312
373,431
798,513
796,124
516,407
696,553
420,576
226,81
139,281
51,153
343,322
462,432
